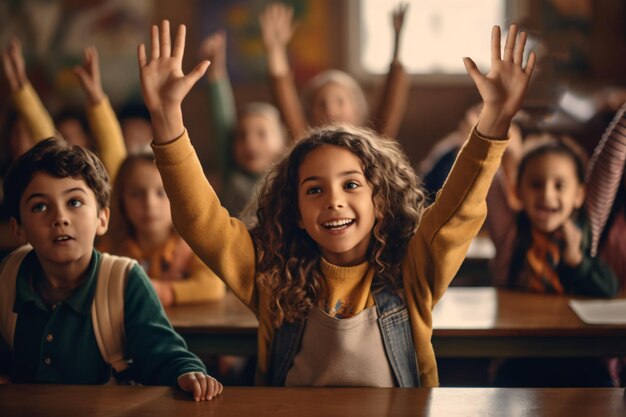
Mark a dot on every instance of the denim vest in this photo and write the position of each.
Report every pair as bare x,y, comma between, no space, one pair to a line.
395,327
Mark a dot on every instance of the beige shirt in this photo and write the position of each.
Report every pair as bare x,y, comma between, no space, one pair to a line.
341,352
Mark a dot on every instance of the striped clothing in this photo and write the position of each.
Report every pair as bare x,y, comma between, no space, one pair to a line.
604,175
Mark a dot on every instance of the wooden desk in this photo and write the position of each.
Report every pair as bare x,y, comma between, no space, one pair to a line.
468,322
95,401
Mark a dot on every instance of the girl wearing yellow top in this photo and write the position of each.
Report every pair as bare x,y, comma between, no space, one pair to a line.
345,265
141,228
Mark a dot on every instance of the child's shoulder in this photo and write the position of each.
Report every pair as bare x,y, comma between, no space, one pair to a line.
115,273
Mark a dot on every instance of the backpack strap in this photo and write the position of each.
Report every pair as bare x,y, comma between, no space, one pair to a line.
107,309
8,279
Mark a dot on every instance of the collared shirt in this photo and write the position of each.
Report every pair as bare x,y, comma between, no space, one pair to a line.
57,344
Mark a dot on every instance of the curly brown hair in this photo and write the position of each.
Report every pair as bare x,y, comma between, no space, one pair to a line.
288,260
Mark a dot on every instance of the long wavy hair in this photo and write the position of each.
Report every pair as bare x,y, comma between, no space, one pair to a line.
288,260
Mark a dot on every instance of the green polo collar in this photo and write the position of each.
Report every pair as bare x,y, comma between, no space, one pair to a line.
80,301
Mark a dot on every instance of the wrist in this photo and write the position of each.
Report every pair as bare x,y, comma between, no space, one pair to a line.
167,124
574,259
493,124
96,98
277,63
215,73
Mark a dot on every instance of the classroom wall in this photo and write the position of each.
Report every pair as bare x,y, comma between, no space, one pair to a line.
433,108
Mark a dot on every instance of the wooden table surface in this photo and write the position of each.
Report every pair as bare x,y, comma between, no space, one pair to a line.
468,322
95,401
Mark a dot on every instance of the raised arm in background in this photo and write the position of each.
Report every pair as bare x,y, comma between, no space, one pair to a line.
26,101
277,29
102,120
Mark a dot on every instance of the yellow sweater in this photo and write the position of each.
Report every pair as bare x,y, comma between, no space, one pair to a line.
33,113
102,120
433,255
173,262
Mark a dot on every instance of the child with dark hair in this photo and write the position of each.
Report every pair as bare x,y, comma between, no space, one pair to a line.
58,198
545,247
136,129
343,242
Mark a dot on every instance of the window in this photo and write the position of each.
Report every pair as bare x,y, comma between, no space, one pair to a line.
436,35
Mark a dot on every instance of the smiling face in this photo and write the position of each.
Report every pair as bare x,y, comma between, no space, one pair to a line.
60,218
335,204
145,202
549,191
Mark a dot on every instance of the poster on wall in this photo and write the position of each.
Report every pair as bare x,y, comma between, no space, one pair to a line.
308,49
55,33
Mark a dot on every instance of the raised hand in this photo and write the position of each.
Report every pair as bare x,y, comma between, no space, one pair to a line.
202,386
89,76
504,87
397,18
14,67
277,28
277,25
213,49
163,83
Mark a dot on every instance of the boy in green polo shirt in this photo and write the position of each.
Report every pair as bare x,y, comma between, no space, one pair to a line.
57,196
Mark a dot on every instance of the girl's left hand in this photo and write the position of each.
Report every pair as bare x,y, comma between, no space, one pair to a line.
203,386
89,76
572,238
504,86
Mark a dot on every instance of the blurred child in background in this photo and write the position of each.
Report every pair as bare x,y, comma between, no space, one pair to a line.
332,96
141,228
248,144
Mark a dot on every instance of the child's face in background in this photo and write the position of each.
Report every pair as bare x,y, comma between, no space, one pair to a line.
145,203
335,204
73,132
258,143
549,191
137,133
334,103
60,218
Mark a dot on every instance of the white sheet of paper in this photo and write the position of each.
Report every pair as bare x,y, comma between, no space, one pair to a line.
600,311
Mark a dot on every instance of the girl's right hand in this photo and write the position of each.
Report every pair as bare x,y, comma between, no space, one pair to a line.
163,83
14,67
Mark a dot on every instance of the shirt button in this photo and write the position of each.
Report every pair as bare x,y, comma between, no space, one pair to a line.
49,338
47,361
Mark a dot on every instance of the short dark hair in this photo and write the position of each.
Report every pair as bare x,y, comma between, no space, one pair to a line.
558,147
57,158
